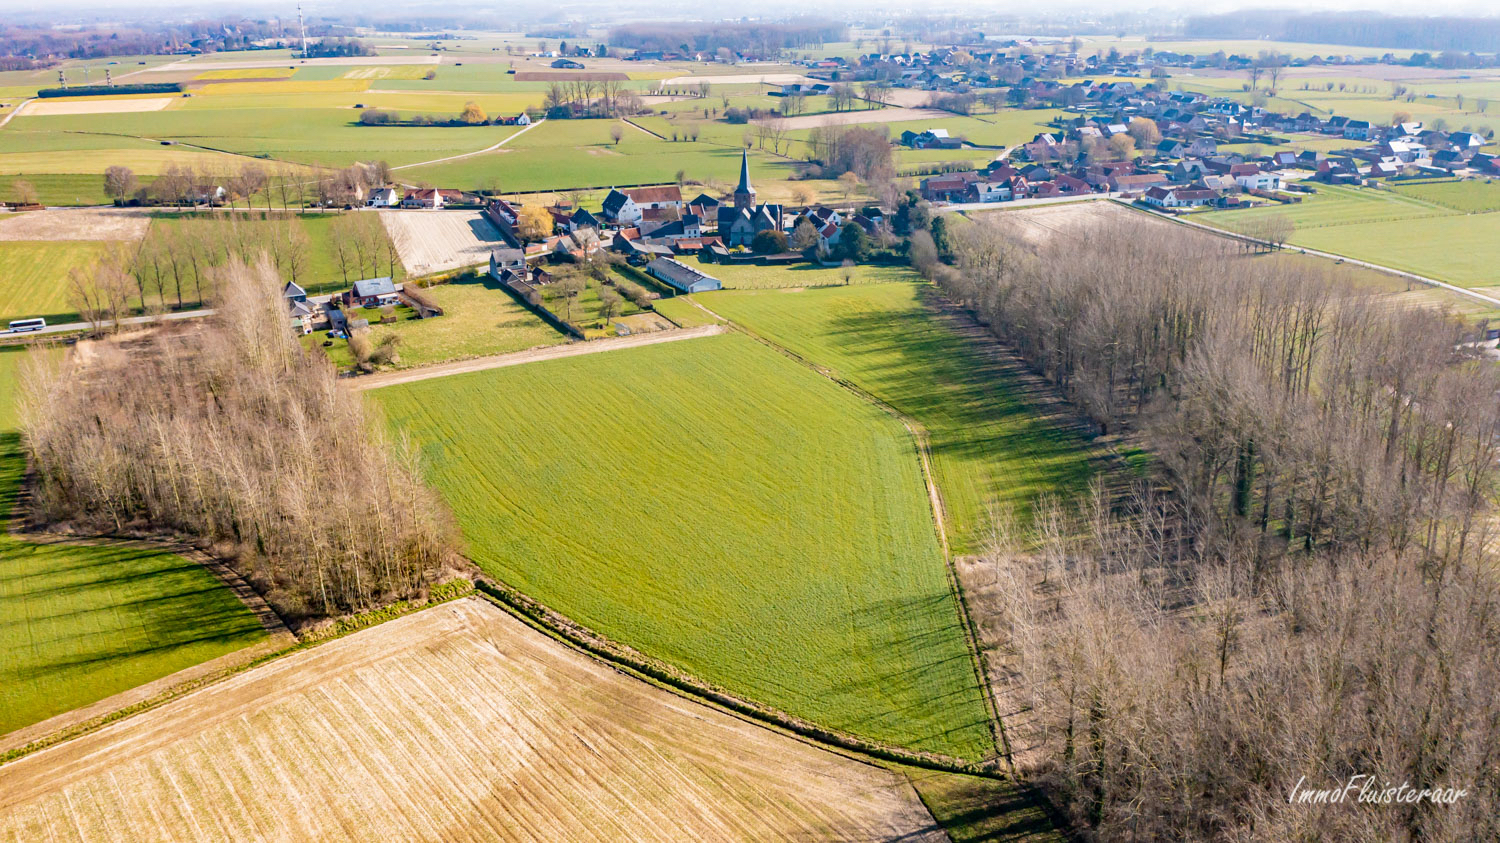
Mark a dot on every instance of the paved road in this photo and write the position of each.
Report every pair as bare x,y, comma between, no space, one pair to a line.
962,207
517,358
66,327
1421,279
14,111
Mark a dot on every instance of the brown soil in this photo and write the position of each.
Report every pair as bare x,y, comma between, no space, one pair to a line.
458,722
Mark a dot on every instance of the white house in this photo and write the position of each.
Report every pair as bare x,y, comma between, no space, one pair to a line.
1259,181
992,191
1179,197
384,197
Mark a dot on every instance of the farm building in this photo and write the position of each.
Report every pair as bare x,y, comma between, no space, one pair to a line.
374,292
384,197
681,276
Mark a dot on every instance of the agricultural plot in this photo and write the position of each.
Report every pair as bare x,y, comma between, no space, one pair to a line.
1425,229
456,722
568,154
719,506
34,278
1470,197
750,277
124,224
79,623
439,241
990,447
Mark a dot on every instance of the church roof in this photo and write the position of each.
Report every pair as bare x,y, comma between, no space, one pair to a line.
744,185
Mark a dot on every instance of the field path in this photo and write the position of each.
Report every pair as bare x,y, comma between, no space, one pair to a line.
517,358
491,148
17,110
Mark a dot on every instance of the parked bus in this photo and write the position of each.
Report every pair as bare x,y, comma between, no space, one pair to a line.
20,325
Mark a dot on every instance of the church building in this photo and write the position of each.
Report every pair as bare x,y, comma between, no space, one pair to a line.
741,221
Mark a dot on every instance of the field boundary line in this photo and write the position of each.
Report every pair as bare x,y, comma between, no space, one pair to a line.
937,509
507,139
534,355
637,664
642,128
1245,238
347,625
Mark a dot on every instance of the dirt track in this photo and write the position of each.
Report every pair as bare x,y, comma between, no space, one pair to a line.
500,361
456,723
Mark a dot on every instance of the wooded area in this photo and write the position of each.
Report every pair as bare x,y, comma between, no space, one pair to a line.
235,435
1305,586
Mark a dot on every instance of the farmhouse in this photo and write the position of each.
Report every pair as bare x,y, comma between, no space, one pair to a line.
681,276
627,207
382,197
374,292
423,198
1179,197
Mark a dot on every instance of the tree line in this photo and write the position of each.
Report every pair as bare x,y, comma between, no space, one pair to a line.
1302,587
1358,29
765,38
233,435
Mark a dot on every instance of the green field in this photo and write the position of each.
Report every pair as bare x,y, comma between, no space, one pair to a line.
988,446
566,154
1434,229
1470,197
750,277
721,507
34,277
81,623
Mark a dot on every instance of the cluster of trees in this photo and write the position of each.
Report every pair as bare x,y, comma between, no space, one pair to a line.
1359,29
1312,596
338,47
236,436
586,97
864,151
762,38
292,189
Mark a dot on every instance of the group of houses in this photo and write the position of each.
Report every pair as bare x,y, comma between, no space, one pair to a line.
1207,151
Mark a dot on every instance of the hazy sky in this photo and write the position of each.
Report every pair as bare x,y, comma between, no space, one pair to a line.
72,10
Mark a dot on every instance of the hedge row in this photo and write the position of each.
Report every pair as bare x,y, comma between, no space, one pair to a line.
116,90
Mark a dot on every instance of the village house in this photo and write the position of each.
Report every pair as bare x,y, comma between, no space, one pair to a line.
626,207
374,292
1179,197
507,263
382,197
423,198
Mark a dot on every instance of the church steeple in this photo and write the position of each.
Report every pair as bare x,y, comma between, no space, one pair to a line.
744,194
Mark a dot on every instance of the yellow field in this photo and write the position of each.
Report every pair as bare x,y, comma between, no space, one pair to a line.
456,723
329,86
145,162
248,73
410,71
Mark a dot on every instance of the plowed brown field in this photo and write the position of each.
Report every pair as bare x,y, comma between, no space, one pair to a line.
456,723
